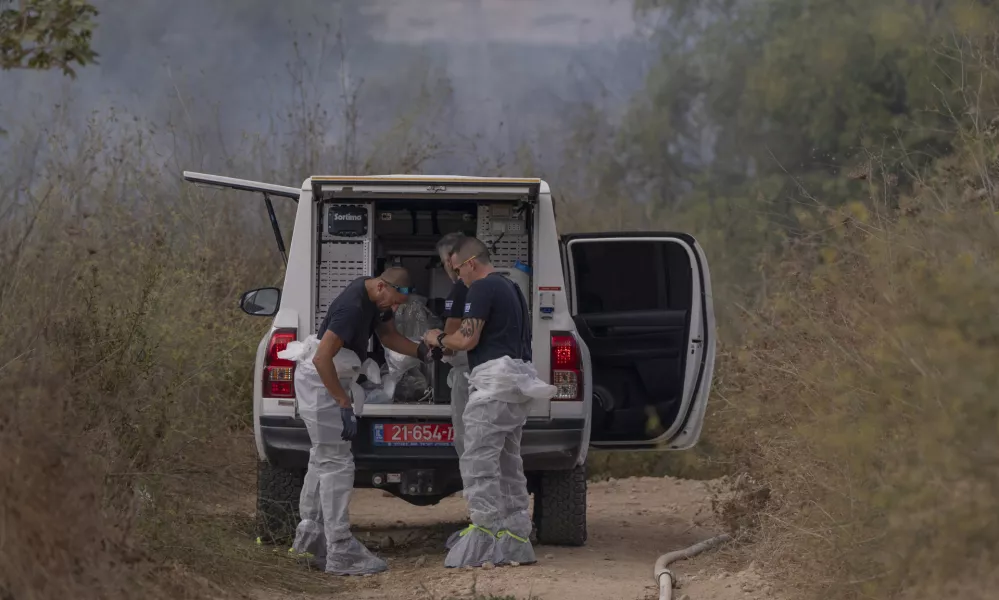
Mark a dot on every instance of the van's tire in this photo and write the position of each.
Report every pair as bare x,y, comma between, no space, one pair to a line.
278,492
560,507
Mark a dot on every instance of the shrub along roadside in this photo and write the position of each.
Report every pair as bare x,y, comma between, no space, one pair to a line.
126,367
865,388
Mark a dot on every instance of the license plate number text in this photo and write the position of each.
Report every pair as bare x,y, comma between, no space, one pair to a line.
413,434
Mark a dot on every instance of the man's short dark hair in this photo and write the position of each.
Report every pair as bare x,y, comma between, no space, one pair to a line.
446,244
396,276
467,247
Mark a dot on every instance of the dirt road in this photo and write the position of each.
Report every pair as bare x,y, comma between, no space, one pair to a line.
631,522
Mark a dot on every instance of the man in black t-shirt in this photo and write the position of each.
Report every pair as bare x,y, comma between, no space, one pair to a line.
494,317
454,310
496,332
454,304
362,308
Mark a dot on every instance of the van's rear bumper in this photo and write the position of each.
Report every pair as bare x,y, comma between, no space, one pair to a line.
547,446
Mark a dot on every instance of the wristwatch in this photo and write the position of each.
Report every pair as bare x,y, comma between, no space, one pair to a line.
440,339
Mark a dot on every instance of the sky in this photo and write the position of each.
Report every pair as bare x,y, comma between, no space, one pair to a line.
515,68
531,22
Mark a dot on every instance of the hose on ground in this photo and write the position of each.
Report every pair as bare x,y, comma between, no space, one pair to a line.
664,577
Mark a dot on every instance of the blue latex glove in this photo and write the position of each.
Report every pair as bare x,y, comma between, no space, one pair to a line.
349,424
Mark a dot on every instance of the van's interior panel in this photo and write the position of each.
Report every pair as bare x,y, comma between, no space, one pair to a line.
404,231
632,310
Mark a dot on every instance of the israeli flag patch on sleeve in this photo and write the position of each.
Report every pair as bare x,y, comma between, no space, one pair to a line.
448,304
468,307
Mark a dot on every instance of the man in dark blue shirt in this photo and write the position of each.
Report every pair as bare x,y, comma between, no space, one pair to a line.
494,322
495,314
454,310
454,304
496,332
362,308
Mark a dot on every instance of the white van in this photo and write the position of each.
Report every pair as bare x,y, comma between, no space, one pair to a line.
623,324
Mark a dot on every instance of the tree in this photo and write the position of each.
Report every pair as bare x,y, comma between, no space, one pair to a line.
800,86
762,112
46,34
796,95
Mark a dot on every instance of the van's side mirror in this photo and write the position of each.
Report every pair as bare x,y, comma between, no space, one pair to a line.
261,302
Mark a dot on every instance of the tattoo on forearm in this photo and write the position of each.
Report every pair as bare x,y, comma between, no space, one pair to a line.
469,327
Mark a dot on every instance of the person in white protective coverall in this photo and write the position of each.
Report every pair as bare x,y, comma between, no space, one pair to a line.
495,331
454,310
363,307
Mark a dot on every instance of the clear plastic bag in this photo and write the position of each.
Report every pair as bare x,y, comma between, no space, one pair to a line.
378,396
406,379
412,387
413,319
374,393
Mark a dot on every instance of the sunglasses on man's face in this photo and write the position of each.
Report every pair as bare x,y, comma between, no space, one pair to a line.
405,291
465,262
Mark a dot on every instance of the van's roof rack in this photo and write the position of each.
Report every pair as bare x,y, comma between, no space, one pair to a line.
401,178
428,187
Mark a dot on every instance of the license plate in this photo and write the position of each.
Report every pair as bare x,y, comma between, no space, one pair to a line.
413,434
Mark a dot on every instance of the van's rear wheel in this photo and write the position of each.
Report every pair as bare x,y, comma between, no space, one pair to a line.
560,507
278,492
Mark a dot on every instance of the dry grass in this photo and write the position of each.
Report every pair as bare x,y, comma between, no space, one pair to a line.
127,467
863,392
855,390
125,368
857,394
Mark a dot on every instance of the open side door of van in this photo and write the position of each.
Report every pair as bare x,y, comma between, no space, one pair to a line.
642,305
267,189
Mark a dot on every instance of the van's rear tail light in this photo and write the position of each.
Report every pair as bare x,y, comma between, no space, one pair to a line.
279,373
565,366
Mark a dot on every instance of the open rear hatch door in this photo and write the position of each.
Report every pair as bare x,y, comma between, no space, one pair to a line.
267,189
642,305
